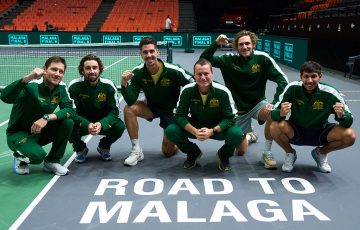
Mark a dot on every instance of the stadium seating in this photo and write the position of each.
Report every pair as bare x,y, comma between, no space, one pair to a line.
141,16
66,15
6,4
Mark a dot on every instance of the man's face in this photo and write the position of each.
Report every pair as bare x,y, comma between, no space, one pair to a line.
149,54
91,71
310,80
203,76
245,46
54,74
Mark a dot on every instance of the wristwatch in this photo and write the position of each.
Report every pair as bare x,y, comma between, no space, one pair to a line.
46,117
214,131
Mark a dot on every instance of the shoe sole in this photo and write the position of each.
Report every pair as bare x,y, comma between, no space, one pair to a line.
313,154
79,161
195,163
289,171
56,173
267,166
135,163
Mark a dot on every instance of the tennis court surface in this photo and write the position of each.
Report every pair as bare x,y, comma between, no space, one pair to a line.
159,194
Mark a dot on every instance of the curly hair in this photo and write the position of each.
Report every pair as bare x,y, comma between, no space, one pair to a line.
87,58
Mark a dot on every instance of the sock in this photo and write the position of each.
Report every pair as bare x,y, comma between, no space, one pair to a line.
248,137
268,144
135,143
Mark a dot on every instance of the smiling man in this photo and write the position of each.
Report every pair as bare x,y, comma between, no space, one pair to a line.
311,102
211,109
246,75
33,120
97,108
161,83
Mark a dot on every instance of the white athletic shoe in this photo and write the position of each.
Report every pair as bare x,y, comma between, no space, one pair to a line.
289,161
56,168
321,161
134,157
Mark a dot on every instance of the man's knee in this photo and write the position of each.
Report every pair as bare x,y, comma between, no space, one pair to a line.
172,131
350,137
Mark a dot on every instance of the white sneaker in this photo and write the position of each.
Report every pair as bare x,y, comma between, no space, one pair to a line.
321,160
56,168
21,169
134,157
289,161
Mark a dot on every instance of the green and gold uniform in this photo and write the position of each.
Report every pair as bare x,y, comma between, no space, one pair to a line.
218,109
31,101
246,79
312,110
95,104
164,94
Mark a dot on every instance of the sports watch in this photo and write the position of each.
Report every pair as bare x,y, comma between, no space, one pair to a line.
46,117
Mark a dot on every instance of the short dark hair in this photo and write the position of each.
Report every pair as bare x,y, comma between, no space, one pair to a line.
87,58
203,61
147,41
310,67
252,35
56,59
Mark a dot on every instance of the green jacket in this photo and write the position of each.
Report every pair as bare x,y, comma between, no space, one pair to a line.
312,111
164,94
219,108
246,79
95,104
34,99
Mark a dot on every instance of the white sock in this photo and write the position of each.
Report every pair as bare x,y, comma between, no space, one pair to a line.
135,143
268,144
248,137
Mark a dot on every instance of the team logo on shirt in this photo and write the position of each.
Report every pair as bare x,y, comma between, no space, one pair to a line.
299,102
318,105
84,96
195,101
165,82
255,68
23,141
101,97
146,81
55,100
214,103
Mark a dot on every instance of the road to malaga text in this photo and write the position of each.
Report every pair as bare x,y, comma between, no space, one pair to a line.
97,211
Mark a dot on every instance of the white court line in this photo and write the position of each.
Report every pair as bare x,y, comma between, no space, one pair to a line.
122,59
41,195
5,122
350,91
352,100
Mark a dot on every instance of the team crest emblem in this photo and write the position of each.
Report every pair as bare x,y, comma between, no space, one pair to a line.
165,82
55,100
255,68
318,105
214,103
299,102
101,97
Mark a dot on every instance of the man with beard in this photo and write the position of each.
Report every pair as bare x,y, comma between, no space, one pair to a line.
311,102
161,83
33,120
97,109
246,75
